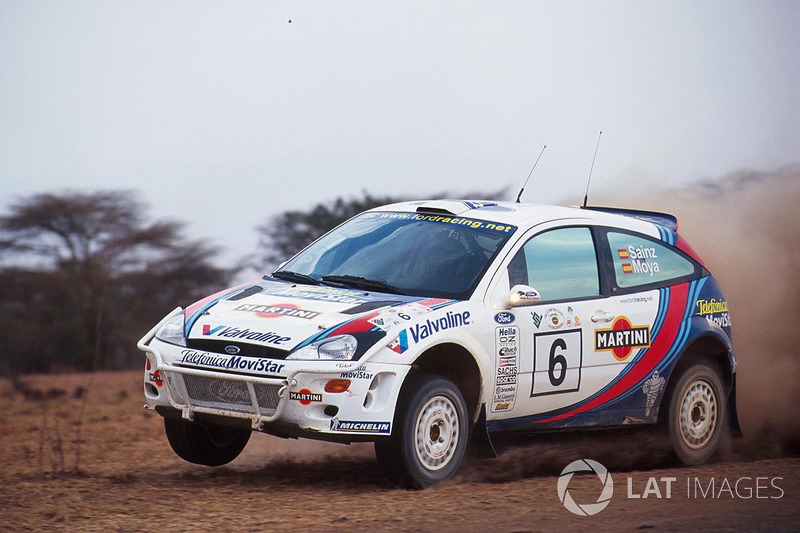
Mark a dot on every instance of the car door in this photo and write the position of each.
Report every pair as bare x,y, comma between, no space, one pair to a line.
650,285
545,352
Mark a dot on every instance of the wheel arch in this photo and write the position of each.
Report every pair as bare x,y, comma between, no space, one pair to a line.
456,363
718,354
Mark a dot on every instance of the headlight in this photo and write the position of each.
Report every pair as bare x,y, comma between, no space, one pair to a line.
341,347
172,331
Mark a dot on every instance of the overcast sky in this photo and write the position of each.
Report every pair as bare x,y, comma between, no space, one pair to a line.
225,113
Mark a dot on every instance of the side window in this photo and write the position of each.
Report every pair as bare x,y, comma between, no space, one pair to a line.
642,261
560,264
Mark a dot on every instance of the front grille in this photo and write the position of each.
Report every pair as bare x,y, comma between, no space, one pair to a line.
245,349
230,395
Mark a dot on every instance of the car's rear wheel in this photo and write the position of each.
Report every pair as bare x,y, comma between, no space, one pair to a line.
697,414
207,445
430,434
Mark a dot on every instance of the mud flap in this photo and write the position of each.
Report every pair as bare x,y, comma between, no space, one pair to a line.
481,442
733,421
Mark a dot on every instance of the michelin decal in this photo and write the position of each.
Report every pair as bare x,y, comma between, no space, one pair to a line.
346,426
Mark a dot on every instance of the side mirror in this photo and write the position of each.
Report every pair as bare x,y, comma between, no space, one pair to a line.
522,295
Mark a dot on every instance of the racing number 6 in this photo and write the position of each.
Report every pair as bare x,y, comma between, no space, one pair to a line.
557,362
557,359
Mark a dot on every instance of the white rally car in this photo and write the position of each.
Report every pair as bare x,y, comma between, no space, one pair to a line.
418,324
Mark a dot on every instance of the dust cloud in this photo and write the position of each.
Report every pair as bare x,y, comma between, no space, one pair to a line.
746,227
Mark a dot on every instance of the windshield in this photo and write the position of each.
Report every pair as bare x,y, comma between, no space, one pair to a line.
405,253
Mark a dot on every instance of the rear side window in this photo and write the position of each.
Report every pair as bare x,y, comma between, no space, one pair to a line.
561,264
641,261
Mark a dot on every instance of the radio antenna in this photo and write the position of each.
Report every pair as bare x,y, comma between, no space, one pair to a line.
530,174
586,196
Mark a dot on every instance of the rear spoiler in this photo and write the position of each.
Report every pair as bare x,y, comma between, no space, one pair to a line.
662,219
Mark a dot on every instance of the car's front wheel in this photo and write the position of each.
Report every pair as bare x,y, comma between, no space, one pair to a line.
205,444
430,434
697,414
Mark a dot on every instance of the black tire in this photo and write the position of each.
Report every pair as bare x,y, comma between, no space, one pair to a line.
429,436
205,444
697,415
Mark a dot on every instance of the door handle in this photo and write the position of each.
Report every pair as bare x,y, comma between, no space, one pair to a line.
602,316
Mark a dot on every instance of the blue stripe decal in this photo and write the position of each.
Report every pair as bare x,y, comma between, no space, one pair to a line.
197,314
667,235
443,304
680,340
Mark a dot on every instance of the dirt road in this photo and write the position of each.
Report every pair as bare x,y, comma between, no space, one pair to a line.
127,479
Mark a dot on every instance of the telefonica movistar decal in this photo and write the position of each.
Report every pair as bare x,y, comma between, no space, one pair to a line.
715,311
236,362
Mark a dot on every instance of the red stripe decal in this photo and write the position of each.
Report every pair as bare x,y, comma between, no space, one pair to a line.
355,326
200,303
644,367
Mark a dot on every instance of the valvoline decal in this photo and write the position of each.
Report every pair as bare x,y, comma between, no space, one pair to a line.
423,329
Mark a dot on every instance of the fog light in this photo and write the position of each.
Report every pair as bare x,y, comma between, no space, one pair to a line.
337,385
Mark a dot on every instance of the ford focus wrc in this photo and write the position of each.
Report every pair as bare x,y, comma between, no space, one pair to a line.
421,324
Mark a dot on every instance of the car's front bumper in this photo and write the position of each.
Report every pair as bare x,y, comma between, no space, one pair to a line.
338,400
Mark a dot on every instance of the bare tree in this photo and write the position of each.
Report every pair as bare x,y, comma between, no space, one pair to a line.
89,269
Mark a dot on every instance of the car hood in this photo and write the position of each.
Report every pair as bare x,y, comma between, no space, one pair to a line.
271,318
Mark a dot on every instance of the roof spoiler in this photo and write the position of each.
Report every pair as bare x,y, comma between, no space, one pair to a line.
662,219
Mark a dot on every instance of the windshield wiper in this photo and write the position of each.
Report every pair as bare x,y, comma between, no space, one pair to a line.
360,282
297,277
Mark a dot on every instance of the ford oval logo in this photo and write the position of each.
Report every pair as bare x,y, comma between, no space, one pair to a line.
504,318
231,349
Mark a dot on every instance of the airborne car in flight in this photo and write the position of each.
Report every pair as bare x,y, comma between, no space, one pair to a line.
419,324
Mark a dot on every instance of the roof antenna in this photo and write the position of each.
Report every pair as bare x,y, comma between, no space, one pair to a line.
586,196
530,174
